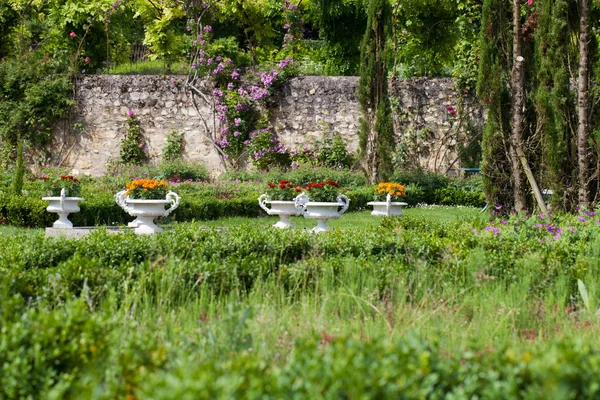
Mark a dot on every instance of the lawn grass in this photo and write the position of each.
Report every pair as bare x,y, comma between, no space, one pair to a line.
361,219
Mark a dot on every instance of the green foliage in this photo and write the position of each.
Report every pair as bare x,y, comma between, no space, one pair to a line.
555,101
133,145
160,20
304,174
43,352
332,153
342,25
24,211
426,34
180,170
174,147
493,88
33,97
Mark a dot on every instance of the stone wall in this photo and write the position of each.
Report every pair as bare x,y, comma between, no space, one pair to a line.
306,109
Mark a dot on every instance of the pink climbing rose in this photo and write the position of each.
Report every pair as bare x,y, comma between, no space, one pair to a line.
72,35
529,3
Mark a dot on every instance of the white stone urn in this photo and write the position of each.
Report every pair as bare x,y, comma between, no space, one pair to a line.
387,207
322,211
285,209
147,210
63,206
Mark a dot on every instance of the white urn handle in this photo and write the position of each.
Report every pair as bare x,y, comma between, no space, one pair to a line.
342,198
120,199
63,194
174,199
301,200
261,202
388,200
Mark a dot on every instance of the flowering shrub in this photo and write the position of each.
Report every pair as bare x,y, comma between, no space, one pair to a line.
327,190
267,151
54,186
236,105
284,190
147,189
384,188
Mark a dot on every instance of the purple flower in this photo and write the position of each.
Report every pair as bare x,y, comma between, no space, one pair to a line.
284,63
491,229
498,208
130,113
541,216
581,219
590,213
194,66
236,133
503,222
237,121
235,75
208,28
230,86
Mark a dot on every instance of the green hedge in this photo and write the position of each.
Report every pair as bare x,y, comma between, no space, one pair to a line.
101,209
72,353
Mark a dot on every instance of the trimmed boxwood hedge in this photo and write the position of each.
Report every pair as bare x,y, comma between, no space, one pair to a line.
101,209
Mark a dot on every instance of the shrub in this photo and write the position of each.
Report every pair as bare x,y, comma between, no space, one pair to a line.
174,147
40,349
332,153
179,170
133,145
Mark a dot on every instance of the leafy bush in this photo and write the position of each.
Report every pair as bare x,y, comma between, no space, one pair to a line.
429,182
303,175
133,145
332,153
179,170
42,350
174,147
24,211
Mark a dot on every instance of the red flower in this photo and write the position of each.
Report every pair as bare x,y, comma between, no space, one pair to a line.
282,186
284,181
271,185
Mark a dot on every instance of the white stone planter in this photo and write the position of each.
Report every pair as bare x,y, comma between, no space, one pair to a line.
387,208
322,211
285,209
63,206
147,210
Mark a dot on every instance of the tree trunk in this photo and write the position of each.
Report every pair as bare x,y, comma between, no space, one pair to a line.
517,82
583,131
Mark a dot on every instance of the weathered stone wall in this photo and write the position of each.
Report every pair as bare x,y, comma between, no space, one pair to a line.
307,108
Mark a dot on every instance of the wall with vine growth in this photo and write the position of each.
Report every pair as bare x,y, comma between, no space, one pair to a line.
432,122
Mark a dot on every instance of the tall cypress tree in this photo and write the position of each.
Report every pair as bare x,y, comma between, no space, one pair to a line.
555,103
493,88
376,131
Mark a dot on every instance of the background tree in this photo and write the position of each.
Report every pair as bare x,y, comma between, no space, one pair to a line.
555,101
341,25
492,88
376,130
